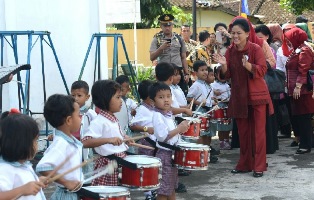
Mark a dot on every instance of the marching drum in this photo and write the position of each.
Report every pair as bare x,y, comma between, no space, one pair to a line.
205,120
192,156
109,192
195,128
145,177
220,114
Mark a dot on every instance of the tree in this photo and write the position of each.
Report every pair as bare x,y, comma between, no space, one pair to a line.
297,6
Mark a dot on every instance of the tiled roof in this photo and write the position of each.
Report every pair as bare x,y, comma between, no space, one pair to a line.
270,10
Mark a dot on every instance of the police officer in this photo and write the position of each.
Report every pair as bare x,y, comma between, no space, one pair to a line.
169,47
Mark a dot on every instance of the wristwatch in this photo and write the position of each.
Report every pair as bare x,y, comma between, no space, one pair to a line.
298,86
145,128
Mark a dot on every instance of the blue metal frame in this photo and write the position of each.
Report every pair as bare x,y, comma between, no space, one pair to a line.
41,35
116,37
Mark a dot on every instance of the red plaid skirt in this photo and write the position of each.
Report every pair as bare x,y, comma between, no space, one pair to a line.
107,179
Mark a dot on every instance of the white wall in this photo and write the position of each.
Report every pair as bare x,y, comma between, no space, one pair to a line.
71,23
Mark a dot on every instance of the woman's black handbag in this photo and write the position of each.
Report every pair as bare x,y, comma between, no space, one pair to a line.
275,80
310,79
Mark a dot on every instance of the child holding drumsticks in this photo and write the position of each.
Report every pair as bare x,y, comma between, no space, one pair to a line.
18,145
104,133
63,113
166,131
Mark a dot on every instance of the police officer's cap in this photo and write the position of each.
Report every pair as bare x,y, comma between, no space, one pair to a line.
166,19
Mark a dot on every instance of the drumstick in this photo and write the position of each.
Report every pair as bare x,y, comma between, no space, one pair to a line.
199,106
135,138
142,146
109,169
70,170
191,104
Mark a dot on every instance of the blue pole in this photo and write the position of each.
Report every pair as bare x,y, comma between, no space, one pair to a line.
86,56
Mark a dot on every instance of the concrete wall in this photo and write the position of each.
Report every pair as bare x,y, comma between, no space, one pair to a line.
71,24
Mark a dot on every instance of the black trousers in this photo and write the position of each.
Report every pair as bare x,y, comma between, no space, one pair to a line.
302,126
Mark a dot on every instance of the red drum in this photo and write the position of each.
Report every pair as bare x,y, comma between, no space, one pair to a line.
146,177
195,128
220,114
109,192
192,156
205,120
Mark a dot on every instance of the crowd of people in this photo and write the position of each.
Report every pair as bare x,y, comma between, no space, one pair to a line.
223,70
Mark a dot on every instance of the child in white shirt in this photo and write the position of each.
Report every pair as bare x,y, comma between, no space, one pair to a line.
19,134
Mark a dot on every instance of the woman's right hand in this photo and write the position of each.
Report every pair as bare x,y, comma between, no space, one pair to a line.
219,59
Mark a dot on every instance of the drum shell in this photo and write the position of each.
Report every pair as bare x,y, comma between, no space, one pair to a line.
193,131
109,192
220,114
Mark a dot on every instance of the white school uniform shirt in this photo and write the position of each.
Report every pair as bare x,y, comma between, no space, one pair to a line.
122,116
198,88
130,104
15,174
223,88
281,60
144,117
175,103
102,127
179,95
61,147
163,124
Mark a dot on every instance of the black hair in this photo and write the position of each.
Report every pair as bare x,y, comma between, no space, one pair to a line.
123,79
242,23
143,88
197,64
103,91
203,35
57,108
262,28
185,26
80,85
209,69
164,71
156,87
17,135
220,24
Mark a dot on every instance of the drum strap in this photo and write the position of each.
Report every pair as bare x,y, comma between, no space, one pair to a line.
122,162
150,141
169,146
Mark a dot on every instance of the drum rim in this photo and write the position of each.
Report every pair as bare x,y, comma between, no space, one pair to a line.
201,147
126,191
142,188
157,164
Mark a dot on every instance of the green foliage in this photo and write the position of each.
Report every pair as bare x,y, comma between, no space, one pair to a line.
146,73
297,6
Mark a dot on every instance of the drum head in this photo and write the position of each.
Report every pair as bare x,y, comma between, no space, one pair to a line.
142,160
109,191
194,120
187,145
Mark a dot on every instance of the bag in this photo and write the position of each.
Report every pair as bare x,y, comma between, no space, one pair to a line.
275,80
310,79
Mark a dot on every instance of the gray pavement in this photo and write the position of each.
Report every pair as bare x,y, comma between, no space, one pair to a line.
289,176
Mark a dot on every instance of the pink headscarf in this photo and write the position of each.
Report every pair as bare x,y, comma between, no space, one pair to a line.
252,36
276,31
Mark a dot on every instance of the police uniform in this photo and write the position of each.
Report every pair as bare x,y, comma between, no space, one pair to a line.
173,53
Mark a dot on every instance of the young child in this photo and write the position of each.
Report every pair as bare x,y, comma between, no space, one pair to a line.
80,92
202,94
175,88
18,145
127,111
63,113
164,73
222,95
165,131
104,133
142,122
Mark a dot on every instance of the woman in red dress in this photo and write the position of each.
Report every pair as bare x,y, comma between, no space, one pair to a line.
245,64
301,99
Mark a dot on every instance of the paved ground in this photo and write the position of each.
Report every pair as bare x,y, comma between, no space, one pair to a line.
289,176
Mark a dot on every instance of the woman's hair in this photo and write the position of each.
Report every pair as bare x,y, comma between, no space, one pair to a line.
262,28
156,87
17,135
103,91
57,108
242,23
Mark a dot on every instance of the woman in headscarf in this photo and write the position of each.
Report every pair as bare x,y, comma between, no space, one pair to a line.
277,33
302,100
245,64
